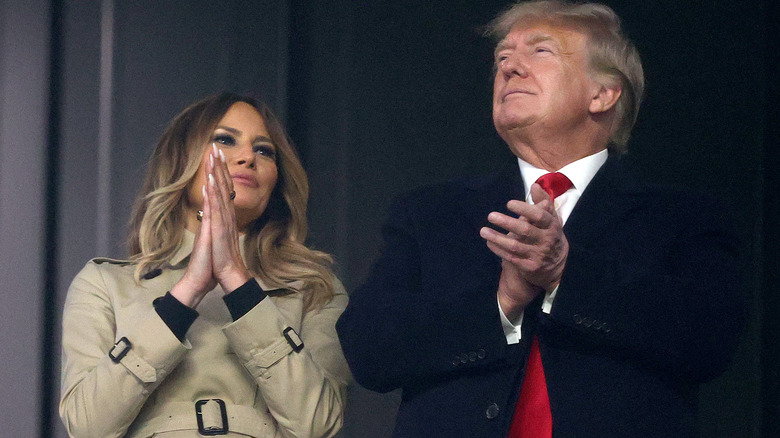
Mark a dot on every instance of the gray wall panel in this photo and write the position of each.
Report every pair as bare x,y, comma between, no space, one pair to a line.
24,93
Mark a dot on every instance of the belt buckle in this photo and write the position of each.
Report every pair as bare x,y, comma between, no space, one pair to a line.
211,430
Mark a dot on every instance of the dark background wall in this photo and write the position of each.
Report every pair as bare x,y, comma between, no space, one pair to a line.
380,97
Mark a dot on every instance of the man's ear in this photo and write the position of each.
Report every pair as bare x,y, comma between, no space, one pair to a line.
604,97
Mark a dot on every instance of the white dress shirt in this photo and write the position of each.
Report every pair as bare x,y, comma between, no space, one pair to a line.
580,173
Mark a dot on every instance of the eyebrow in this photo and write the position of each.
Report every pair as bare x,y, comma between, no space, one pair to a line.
263,139
229,129
238,132
503,44
530,40
540,37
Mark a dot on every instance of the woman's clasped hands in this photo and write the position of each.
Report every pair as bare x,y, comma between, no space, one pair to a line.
216,255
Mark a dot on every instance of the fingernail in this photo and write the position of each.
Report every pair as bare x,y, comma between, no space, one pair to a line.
203,189
211,180
214,146
211,159
222,155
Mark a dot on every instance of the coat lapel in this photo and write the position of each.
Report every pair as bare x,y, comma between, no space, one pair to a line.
481,196
610,196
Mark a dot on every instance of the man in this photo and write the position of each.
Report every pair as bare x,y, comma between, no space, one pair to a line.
501,311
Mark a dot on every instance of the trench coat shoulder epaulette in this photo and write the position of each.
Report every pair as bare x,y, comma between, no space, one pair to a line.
101,260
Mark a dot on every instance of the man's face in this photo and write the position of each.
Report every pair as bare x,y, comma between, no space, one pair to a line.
541,81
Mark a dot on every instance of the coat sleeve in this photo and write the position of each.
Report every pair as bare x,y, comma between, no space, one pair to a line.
428,309
304,388
668,296
101,397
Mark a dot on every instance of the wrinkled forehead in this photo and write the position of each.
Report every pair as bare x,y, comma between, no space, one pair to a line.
568,38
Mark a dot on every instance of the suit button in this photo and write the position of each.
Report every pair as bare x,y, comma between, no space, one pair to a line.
492,411
577,319
472,356
587,322
481,353
456,361
464,358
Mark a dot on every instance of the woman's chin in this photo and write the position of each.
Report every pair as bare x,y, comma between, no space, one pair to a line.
246,217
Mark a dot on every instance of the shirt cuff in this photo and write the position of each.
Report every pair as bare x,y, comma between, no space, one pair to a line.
548,300
175,315
244,299
511,329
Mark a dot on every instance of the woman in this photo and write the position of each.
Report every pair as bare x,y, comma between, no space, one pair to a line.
219,227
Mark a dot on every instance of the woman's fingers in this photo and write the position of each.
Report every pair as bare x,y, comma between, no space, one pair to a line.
221,181
228,266
226,173
198,279
199,267
221,173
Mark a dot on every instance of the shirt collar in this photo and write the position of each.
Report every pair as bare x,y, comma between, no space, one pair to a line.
579,172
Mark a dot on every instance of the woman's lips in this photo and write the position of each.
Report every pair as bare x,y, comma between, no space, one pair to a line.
244,179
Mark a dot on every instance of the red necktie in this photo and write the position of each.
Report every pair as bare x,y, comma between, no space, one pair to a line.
555,184
533,418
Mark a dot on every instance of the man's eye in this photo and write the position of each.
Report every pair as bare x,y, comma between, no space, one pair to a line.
543,50
224,140
266,151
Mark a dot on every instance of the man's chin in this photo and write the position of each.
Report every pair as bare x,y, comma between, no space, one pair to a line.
509,125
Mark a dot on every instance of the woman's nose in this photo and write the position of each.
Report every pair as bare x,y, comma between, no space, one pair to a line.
245,155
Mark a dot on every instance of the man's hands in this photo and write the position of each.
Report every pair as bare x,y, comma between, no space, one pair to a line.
216,256
533,251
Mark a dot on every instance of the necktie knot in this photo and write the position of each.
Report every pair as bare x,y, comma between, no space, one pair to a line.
554,183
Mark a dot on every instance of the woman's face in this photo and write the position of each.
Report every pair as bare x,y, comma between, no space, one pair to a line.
250,157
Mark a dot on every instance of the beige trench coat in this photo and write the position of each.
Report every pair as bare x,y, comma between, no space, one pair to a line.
267,388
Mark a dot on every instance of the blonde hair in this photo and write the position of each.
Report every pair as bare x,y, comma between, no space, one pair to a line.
612,56
274,245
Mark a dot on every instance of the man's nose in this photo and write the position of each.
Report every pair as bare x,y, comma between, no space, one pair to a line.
513,65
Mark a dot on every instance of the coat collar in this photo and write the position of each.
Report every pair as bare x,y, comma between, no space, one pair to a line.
609,197
184,250
188,242
483,195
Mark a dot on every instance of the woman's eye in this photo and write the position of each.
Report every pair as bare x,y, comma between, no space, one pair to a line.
224,140
265,150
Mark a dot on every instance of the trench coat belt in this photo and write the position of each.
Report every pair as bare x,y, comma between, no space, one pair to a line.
181,416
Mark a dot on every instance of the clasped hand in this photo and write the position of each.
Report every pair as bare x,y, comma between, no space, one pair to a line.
216,256
533,251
